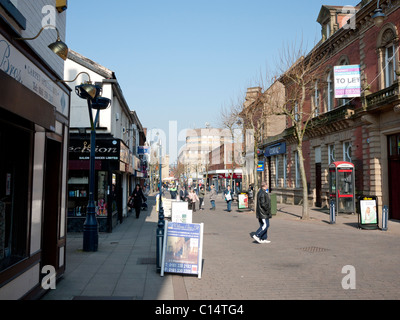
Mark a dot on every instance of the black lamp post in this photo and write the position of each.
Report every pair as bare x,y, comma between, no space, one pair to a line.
90,228
161,222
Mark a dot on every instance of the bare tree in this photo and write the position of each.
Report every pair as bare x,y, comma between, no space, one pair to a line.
255,112
299,74
230,120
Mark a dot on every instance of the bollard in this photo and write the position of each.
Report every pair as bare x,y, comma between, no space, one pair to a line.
332,212
385,218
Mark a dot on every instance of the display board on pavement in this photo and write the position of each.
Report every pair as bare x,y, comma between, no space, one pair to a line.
182,248
368,212
180,212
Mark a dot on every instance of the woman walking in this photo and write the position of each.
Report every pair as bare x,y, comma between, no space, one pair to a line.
193,199
137,197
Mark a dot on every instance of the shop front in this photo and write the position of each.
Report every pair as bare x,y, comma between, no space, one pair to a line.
110,181
34,125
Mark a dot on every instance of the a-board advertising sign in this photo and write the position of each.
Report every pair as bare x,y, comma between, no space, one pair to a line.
368,212
243,201
183,248
180,212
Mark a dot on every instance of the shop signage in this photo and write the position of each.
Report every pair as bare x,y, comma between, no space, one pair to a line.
228,176
105,149
261,166
17,66
143,150
347,81
182,248
276,149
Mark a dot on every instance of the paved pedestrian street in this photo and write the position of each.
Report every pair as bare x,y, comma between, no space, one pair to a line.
306,260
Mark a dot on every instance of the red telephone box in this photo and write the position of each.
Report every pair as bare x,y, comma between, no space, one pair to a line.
341,186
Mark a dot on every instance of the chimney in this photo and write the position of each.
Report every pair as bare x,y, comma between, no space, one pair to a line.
251,95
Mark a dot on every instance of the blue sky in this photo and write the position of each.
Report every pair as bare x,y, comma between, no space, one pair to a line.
182,60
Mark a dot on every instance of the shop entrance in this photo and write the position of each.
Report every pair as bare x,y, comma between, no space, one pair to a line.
51,204
394,174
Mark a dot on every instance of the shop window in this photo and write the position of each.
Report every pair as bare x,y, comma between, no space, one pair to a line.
15,144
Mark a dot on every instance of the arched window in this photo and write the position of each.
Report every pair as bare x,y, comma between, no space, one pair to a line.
387,54
329,94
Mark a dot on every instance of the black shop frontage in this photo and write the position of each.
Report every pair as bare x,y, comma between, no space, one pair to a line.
111,163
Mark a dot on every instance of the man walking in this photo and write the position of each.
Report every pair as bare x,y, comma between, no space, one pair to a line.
228,198
173,191
263,213
213,197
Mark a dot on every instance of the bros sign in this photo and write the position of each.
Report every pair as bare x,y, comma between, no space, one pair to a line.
347,82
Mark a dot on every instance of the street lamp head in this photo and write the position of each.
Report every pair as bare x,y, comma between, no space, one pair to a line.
378,16
88,91
58,47
101,103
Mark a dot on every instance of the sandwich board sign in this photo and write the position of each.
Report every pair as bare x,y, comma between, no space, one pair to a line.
183,248
180,212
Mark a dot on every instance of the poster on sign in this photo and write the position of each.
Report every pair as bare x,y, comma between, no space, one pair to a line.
347,81
368,212
183,248
180,212
243,202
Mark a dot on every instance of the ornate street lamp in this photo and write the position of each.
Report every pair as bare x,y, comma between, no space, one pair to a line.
92,94
378,16
58,47
161,222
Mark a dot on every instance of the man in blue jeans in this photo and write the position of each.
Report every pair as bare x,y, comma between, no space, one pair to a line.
228,198
263,213
213,197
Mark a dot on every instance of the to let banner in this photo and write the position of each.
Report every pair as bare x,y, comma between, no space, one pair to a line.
347,82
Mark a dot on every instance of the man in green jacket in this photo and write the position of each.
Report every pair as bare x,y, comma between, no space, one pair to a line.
173,192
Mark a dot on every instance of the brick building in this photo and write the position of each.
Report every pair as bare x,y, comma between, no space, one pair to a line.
364,130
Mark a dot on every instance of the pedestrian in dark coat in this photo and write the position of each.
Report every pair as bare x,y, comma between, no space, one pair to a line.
137,197
184,194
201,197
263,214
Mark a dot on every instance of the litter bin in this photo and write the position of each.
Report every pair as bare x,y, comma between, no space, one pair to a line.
274,208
